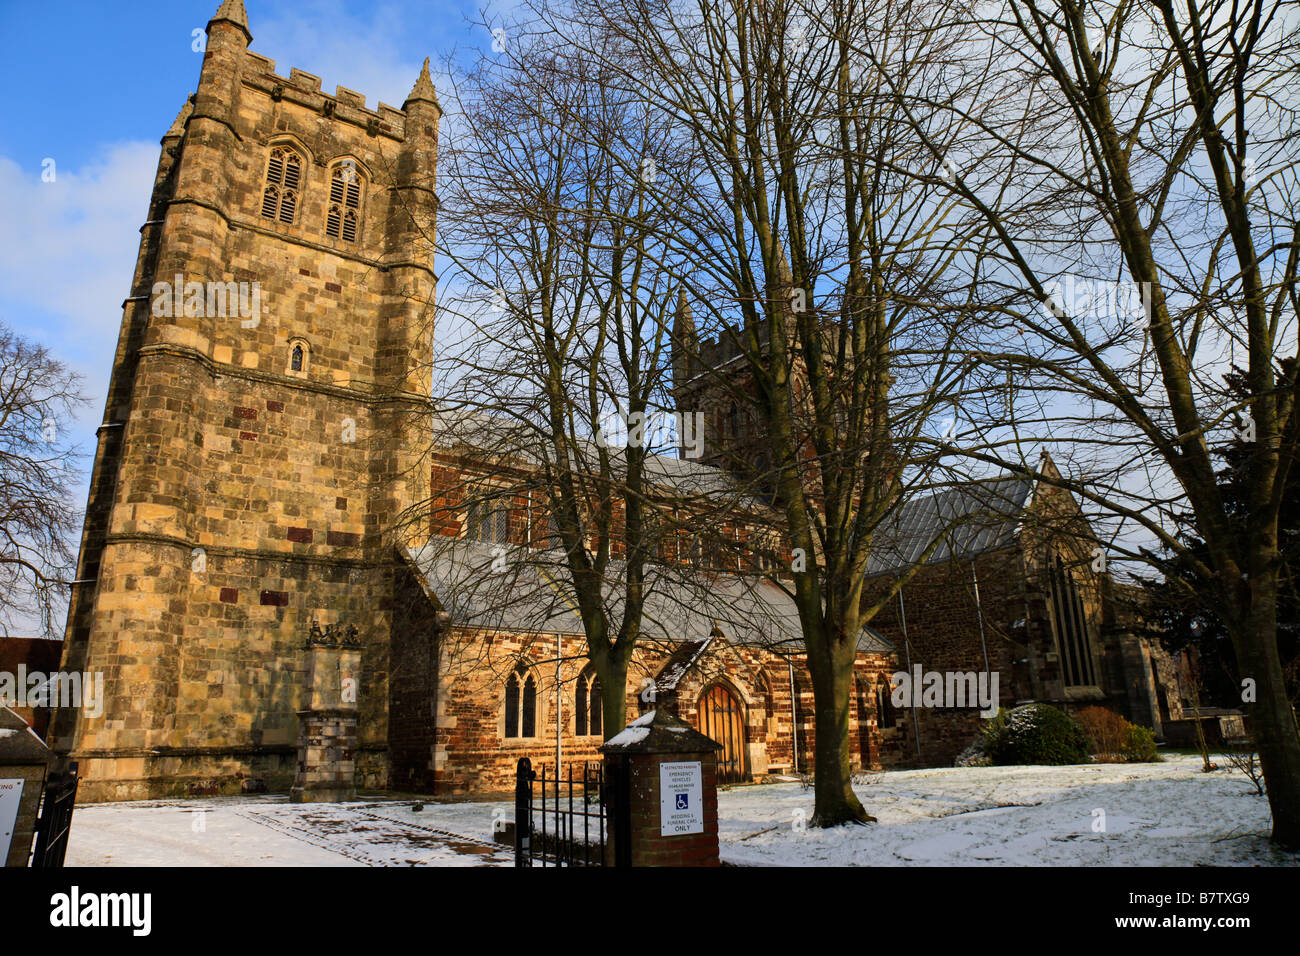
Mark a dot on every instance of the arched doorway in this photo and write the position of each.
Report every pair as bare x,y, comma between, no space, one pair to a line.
722,719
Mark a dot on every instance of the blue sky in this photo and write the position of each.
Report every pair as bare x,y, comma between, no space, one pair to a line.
94,85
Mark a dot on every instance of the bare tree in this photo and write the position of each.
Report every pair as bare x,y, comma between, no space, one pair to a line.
38,522
1148,146
830,272
552,355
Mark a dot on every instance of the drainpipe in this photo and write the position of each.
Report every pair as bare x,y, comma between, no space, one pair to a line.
440,622
979,612
907,649
794,719
559,700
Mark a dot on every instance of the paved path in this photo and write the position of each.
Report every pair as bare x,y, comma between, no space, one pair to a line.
267,831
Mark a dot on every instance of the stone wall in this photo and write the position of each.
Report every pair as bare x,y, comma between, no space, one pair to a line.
236,498
470,752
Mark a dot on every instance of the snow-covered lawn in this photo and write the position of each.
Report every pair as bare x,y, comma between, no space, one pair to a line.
1159,814
1107,814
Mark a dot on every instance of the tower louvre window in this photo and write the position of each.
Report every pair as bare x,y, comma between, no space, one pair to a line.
283,180
342,219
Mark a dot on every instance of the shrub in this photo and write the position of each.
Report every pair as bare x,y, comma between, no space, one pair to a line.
1106,732
979,753
1139,745
1112,739
1034,734
973,756
1243,755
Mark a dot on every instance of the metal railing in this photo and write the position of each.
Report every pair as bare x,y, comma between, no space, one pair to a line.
560,819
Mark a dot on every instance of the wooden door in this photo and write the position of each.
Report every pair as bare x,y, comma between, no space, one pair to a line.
721,719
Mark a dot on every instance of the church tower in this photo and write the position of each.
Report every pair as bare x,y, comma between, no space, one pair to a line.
712,377
263,434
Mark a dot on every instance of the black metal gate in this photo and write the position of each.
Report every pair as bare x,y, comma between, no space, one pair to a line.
54,821
560,821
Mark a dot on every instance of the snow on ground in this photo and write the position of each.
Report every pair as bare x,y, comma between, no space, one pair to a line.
270,831
1158,814
1161,814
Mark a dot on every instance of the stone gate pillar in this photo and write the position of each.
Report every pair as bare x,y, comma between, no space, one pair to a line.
662,784
327,727
24,760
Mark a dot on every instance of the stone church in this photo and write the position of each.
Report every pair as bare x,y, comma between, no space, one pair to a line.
258,452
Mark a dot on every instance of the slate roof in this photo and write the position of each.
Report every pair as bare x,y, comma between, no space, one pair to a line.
969,520
487,433
531,594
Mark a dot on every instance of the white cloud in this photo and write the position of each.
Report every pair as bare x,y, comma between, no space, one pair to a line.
322,37
66,266
72,253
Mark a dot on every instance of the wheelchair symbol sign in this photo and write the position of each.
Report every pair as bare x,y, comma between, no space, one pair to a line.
681,798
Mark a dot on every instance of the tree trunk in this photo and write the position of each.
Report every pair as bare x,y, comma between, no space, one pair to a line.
1274,720
612,671
835,803
1194,671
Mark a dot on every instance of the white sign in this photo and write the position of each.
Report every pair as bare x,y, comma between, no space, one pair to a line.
681,798
11,795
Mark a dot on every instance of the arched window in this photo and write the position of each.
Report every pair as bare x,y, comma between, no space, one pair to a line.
1071,625
885,716
587,706
733,420
342,219
283,180
521,704
299,357
488,521
580,707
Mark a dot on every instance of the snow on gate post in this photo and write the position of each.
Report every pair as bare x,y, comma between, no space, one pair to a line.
662,783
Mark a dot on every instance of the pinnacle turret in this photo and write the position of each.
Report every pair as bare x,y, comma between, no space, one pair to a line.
423,89
686,345
232,11
178,125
